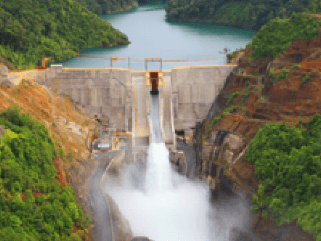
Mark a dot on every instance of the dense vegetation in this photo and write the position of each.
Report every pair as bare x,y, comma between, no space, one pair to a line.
250,14
104,6
34,29
276,35
288,163
26,168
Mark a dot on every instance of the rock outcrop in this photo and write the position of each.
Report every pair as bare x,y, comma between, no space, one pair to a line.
220,157
220,151
3,71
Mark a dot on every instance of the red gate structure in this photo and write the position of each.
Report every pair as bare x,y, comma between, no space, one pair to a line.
154,79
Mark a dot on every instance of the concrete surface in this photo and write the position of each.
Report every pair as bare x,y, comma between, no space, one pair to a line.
193,89
140,108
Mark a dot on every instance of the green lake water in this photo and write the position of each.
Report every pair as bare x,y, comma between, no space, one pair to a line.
152,36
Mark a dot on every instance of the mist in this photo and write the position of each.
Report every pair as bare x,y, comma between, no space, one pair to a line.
170,207
163,205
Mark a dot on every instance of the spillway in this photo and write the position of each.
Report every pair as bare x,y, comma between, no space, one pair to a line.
154,119
171,207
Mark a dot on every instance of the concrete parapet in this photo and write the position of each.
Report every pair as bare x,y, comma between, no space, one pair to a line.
56,67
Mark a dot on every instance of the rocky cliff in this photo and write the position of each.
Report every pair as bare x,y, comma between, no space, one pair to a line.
263,98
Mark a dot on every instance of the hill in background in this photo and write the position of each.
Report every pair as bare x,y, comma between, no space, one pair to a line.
31,30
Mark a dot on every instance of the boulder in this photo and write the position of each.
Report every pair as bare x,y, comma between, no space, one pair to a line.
227,156
3,71
234,141
217,137
207,152
181,161
189,134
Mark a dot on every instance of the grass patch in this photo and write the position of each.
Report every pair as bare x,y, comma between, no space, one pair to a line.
282,75
85,123
45,112
306,78
230,100
296,66
15,91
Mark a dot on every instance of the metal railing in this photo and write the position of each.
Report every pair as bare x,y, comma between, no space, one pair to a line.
113,59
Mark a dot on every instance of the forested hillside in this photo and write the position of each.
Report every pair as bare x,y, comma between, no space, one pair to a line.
249,14
34,29
107,6
277,34
33,204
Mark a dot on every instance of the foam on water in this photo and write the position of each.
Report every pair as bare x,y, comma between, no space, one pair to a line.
171,208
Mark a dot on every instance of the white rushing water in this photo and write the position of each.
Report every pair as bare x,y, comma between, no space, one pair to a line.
170,207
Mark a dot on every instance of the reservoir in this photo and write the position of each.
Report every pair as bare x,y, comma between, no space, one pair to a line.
152,36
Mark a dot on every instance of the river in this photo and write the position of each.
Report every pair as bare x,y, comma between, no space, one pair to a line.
152,36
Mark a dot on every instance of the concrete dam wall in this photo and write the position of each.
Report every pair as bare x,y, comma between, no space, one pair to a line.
185,96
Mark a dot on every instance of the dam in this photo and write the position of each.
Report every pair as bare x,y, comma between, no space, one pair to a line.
121,96
149,107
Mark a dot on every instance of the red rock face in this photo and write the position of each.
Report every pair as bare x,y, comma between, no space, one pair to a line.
287,101
105,44
289,98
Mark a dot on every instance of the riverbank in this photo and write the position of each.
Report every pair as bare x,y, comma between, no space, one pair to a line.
244,15
127,8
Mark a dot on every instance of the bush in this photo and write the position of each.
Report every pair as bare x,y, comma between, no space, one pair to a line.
305,78
296,66
282,75
230,100
271,72
287,161
247,83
